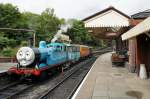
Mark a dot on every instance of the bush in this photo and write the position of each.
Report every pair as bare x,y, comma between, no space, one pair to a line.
8,52
3,42
24,43
12,43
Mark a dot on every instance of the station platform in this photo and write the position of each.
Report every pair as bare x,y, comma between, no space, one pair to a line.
106,82
5,66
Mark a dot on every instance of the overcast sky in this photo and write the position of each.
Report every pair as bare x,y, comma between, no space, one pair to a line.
79,8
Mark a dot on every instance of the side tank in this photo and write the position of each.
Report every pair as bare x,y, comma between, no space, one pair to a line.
52,54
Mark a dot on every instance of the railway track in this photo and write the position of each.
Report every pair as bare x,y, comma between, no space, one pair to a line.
50,89
13,89
68,85
41,90
70,82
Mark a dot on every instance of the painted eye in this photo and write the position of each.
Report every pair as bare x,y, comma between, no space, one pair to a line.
28,55
20,53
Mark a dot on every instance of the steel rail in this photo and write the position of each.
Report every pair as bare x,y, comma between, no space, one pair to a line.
8,85
76,86
47,92
13,89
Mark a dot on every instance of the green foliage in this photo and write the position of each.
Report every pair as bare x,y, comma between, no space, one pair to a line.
48,25
24,43
78,33
9,15
30,20
12,43
8,52
3,42
103,44
45,24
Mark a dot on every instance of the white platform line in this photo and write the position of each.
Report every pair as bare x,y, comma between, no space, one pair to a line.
77,91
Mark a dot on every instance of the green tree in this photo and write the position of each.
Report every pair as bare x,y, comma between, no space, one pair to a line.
10,17
5,42
30,20
78,33
45,25
48,25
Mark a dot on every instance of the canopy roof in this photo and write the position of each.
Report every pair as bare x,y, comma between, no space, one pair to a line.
109,17
141,28
141,15
107,24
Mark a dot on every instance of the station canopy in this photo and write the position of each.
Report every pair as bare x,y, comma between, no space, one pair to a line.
108,23
143,27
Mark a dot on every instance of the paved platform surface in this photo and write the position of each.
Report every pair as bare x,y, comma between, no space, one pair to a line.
106,82
5,66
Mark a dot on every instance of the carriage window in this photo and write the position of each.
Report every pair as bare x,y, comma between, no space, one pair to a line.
70,49
78,49
75,49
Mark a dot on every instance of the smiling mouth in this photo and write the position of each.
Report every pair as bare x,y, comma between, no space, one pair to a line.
23,62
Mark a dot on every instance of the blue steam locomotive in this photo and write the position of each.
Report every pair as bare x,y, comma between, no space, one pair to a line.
46,58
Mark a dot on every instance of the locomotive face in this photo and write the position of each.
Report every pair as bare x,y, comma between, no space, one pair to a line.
25,56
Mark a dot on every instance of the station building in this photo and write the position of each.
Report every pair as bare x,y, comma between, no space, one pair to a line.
139,45
111,23
132,33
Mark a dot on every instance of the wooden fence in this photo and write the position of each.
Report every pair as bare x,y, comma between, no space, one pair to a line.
8,59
